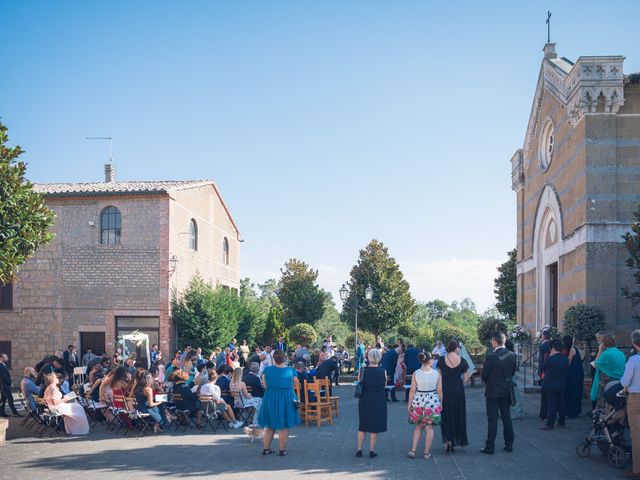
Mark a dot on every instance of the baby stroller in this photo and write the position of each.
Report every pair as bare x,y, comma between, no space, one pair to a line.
610,430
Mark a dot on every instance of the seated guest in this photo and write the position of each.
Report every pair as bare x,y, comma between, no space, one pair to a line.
242,398
75,419
211,389
146,402
189,399
97,372
251,379
554,384
223,381
303,376
29,387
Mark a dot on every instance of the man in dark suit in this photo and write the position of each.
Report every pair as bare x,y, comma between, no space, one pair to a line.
497,372
70,358
223,381
389,361
327,369
6,396
251,379
554,384
544,350
280,345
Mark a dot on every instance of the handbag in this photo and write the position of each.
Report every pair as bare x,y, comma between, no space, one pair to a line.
360,386
296,400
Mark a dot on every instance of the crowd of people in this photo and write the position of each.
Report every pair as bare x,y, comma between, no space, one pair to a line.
260,378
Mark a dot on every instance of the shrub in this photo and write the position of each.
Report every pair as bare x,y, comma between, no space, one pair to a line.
408,331
425,338
447,332
303,333
369,339
583,321
490,325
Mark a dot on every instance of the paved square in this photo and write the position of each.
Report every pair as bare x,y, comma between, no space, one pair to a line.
327,452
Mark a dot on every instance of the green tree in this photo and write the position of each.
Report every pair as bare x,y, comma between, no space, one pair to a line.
448,332
274,327
632,242
331,324
24,217
252,313
303,333
392,304
583,322
408,330
437,309
426,337
205,316
490,325
301,298
505,287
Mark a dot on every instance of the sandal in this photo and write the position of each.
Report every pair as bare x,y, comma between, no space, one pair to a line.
283,453
412,454
267,451
427,455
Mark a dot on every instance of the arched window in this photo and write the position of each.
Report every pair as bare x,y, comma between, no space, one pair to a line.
225,251
193,235
110,222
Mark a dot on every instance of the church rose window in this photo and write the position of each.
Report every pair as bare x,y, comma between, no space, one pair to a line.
547,141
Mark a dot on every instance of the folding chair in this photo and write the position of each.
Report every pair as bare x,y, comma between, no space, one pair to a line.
183,416
210,414
51,418
141,421
245,413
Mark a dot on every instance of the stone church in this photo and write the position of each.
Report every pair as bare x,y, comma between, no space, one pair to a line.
577,182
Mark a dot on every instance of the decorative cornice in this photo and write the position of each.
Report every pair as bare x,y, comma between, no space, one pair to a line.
579,88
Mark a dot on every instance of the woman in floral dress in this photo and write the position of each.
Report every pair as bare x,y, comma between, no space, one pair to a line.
424,404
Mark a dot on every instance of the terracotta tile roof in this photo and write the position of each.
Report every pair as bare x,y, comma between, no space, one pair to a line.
126,188
134,187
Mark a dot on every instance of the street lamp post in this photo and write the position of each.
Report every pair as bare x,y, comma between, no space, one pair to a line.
344,294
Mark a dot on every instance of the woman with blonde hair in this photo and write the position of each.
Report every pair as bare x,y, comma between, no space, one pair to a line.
372,404
75,420
242,397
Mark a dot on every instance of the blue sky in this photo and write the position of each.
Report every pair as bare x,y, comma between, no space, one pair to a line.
325,124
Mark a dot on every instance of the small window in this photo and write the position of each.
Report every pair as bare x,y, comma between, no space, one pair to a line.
6,296
193,235
225,251
110,223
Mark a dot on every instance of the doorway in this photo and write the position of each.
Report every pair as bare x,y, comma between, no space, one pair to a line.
552,294
93,341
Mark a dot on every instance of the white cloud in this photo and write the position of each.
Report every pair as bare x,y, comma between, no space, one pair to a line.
452,279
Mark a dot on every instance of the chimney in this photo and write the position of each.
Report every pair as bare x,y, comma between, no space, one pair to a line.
109,173
550,50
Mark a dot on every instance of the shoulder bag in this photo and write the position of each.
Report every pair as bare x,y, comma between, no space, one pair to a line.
360,386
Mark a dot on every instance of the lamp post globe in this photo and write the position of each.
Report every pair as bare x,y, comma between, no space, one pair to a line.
344,293
368,293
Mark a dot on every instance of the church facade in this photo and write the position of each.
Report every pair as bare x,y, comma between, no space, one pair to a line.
577,183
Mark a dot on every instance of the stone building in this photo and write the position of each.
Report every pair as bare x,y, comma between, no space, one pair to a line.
120,249
577,182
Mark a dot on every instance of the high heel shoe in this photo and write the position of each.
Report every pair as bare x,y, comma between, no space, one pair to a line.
282,453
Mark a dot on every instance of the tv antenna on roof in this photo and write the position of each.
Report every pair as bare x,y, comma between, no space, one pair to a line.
110,146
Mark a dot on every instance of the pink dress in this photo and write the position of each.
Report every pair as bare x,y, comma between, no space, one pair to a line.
75,420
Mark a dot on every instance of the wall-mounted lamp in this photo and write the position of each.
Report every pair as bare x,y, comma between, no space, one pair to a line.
173,263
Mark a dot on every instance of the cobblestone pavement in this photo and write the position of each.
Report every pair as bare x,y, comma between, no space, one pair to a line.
318,453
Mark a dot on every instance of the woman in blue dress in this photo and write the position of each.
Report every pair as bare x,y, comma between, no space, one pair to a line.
278,411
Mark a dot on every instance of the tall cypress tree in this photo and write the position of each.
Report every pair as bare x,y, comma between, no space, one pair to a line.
392,304
505,287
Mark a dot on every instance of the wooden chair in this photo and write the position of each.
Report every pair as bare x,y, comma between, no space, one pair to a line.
299,396
210,414
320,409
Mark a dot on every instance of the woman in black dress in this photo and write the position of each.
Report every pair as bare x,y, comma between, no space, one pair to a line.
575,378
455,374
372,405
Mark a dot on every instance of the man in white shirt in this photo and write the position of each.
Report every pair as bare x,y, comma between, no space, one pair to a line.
438,351
266,358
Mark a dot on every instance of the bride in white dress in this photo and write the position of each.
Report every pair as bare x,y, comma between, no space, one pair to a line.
75,419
